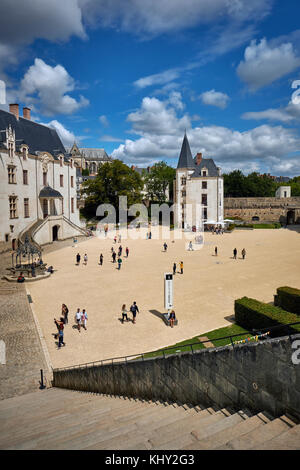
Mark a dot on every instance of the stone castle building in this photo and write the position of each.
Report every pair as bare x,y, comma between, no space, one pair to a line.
198,184
37,182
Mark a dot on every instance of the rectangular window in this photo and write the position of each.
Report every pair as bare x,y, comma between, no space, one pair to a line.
26,207
204,173
183,193
72,204
13,207
204,199
72,181
24,151
12,174
183,180
45,178
61,180
204,184
25,176
205,213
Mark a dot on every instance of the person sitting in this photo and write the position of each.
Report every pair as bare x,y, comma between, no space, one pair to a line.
172,318
50,269
21,278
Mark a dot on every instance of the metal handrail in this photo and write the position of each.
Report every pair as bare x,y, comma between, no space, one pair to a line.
162,351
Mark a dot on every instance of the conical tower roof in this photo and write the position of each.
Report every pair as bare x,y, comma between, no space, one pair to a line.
185,158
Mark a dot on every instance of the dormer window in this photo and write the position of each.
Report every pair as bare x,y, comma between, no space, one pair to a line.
24,153
60,161
203,172
71,163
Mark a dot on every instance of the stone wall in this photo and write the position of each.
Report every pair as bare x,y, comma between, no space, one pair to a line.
260,376
268,209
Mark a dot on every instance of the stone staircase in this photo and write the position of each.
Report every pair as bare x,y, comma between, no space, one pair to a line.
62,419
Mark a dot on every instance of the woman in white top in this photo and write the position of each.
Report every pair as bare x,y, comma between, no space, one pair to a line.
78,318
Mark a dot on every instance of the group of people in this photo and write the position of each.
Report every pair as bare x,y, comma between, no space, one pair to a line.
81,319
78,258
114,255
133,309
180,267
218,230
60,324
243,252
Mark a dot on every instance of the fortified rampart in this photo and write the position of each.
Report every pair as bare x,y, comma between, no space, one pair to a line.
263,209
260,376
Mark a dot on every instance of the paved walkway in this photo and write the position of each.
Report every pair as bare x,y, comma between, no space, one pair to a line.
203,296
24,355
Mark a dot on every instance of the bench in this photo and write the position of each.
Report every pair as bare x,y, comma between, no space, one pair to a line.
167,322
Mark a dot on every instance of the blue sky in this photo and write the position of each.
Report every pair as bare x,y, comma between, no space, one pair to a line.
131,76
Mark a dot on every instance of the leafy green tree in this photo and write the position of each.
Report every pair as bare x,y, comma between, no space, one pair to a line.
112,180
234,184
158,181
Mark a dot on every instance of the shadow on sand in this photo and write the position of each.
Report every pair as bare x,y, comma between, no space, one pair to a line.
158,314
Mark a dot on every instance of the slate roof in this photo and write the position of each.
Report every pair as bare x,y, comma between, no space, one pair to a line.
47,191
185,158
209,164
38,137
94,154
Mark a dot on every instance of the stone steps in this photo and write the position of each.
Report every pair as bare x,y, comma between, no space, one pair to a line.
61,419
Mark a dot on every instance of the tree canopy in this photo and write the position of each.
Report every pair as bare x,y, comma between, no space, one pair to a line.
158,180
112,180
236,184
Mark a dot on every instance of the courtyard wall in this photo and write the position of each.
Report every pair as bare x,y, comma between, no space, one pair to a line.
260,376
268,209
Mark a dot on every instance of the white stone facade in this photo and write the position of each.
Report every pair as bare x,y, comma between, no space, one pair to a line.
22,177
198,191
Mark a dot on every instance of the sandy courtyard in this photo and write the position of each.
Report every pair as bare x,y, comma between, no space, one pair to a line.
203,296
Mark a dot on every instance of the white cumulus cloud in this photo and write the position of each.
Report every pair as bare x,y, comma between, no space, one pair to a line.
47,88
215,98
264,63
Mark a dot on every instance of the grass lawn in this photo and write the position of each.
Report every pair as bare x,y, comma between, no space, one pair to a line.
213,336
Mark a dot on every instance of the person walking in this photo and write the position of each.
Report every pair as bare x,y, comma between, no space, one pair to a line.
115,238
120,250
119,263
78,318
114,255
85,259
78,259
181,267
101,259
216,251
174,269
134,309
243,253
60,327
165,246
65,311
120,238
190,246
234,253
84,318
124,313
127,251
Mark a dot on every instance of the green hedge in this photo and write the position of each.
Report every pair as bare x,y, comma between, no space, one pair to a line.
253,314
288,298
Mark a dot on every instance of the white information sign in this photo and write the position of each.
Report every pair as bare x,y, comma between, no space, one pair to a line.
168,279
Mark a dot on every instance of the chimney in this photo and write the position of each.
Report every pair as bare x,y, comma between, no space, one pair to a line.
14,109
26,113
198,158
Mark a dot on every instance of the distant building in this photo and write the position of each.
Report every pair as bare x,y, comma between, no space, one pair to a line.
283,191
198,182
38,182
86,159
